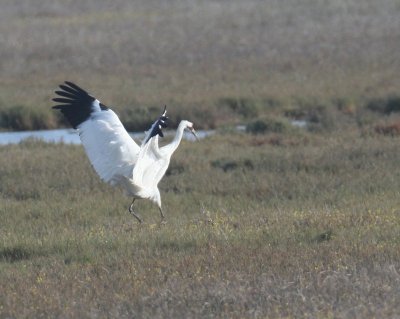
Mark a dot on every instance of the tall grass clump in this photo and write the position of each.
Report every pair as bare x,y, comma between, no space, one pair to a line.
386,105
274,125
245,107
22,118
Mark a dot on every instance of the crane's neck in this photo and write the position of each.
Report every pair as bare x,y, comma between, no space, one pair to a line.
178,137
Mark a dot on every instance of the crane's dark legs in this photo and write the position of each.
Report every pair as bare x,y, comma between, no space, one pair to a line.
133,213
162,215
137,216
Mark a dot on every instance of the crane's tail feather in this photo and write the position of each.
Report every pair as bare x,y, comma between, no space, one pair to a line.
127,185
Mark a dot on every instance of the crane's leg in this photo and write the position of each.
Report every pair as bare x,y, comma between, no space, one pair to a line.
133,213
162,215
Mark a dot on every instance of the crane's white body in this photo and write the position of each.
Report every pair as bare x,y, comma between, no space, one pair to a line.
147,169
115,156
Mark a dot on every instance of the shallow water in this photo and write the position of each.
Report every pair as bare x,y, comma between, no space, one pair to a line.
69,136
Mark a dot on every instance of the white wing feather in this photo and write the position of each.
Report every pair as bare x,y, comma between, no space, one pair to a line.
108,145
151,165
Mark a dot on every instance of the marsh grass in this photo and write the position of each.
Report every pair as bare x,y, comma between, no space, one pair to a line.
286,223
211,62
307,228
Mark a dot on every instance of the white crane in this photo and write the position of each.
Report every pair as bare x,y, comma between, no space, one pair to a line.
115,156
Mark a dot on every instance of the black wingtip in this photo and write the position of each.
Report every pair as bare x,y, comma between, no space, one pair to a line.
74,102
164,116
157,127
74,86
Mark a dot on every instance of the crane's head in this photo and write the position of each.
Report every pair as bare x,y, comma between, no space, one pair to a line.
189,127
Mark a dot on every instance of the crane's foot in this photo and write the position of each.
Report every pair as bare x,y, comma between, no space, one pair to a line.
133,213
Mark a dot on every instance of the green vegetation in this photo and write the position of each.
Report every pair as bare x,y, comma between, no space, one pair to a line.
214,62
276,221
25,118
305,227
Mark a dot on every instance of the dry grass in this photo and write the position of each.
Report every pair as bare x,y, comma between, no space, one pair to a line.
190,55
308,228
289,223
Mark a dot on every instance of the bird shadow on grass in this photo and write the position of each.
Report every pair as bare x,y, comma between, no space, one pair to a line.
15,254
322,237
18,253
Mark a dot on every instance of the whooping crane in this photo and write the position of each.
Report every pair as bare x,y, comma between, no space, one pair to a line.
115,156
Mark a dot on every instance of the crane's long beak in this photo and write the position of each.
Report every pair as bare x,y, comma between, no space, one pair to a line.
194,133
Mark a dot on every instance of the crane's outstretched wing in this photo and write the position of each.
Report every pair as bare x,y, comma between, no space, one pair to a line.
152,162
108,145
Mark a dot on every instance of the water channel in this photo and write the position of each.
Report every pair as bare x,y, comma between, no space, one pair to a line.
70,136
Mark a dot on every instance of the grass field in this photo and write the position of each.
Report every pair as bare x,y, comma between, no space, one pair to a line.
306,228
273,222
195,56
